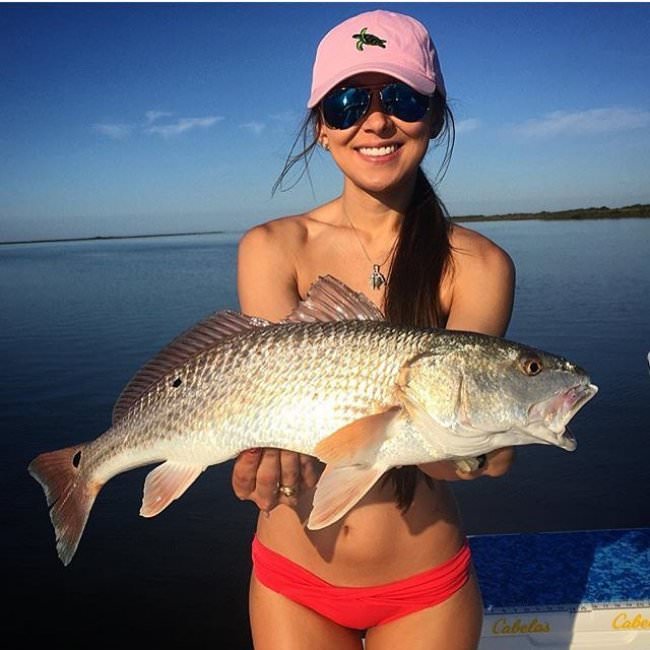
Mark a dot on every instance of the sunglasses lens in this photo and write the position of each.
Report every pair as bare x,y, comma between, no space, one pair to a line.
345,107
404,103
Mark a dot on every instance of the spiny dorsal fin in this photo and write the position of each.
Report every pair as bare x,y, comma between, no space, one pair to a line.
328,299
202,336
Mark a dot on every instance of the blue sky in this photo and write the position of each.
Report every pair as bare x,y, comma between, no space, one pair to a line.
121,119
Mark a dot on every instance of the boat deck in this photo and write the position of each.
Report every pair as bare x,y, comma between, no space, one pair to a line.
569,590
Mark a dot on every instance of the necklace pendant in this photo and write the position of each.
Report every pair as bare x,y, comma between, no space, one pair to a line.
377,278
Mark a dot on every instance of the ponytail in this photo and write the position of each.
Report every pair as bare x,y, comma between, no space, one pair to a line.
421,260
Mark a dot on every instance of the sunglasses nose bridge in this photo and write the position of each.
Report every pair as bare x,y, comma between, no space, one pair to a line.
375,101
376,107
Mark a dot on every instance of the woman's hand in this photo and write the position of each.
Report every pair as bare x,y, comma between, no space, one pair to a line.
272,476
496,464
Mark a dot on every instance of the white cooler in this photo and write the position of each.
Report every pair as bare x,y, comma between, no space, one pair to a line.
560,591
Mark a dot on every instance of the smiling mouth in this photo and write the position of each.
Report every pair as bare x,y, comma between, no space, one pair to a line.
378,152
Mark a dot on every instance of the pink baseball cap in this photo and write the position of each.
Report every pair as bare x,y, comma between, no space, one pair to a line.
377,41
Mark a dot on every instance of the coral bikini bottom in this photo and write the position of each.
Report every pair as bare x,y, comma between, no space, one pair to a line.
360,607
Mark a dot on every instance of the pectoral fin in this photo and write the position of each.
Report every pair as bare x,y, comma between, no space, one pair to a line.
359,441
338,490
166,483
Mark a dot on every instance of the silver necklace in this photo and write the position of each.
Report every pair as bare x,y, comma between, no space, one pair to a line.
376,279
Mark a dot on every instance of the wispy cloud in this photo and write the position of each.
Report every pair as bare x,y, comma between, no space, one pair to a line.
152,116
466,126
596,120
254,127
156,122
182,125
287,117
114,131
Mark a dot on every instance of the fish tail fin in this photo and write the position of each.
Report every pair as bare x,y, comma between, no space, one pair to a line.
69,494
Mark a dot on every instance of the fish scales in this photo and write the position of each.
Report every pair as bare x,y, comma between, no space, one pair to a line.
261,389
332,370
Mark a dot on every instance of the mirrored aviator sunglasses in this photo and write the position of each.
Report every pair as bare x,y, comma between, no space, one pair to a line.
344,107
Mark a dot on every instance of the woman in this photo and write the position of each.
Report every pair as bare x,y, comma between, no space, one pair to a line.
377,100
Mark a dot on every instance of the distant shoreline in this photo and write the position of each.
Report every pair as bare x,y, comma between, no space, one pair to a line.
638,211
63,240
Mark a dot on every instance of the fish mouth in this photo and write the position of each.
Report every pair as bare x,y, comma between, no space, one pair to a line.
554,414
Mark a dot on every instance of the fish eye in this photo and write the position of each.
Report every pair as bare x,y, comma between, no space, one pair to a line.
531,365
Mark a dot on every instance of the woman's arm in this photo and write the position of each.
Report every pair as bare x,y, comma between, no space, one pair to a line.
266,284
482,296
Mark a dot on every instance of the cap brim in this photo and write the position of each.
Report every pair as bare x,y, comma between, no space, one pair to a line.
420,83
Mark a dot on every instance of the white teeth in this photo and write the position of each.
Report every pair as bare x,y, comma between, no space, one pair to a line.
378,151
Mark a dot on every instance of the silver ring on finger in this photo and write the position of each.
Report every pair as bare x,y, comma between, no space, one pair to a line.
287,490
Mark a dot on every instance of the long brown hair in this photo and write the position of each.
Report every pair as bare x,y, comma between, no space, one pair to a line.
422,253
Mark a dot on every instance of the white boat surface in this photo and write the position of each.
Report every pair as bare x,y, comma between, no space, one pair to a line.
565,590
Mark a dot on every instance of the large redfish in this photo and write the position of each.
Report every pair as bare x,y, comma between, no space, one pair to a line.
334,381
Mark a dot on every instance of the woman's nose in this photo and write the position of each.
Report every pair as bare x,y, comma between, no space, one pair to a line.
376,119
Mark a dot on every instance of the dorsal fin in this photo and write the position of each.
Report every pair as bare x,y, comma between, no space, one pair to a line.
198,338
328,299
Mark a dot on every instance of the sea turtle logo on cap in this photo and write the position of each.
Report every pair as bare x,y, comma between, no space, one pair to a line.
363,38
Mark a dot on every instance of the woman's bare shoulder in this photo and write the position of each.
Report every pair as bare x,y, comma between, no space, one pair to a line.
475,252
283,232
290,231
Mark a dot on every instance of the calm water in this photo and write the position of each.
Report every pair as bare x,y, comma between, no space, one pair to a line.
78,319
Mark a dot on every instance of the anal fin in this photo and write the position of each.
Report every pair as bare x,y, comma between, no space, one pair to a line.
166,483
